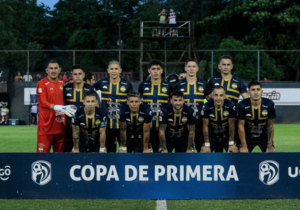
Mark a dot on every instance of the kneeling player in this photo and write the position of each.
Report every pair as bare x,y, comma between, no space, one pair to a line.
177,125
256,120
135,123
218,116
89,126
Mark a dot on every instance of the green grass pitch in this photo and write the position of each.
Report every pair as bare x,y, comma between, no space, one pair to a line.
23,139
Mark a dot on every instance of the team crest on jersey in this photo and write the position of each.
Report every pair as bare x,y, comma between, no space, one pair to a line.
164,89
123,88
264,113
41,149
201,89
234,85
141,119
225,113
61,88
184,119
98,122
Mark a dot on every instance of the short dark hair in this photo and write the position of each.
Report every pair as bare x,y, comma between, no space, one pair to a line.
90,93
52,61
191,60
226,57
219,87
253,83
177,93
155,63
88,76
77,66
133,93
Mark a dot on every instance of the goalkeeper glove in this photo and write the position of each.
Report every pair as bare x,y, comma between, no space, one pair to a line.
67,110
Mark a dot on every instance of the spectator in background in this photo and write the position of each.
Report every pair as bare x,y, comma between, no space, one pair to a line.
38,77
89,78
33,111
27,77
162,22
172,21
19,78
4,114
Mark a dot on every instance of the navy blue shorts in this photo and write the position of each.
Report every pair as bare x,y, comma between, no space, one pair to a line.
33,114
262,143
161,25
180,145
172,25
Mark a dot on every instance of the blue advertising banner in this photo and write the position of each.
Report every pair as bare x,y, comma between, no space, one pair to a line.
149,176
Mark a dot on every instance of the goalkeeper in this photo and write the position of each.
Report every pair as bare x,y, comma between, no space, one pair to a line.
52,120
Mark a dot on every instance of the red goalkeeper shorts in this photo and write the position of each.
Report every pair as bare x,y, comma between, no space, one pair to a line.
45,141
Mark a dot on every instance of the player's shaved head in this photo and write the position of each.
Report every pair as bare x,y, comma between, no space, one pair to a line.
114,62
133,93
219,87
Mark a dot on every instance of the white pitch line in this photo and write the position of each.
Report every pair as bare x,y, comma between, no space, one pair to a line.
161,205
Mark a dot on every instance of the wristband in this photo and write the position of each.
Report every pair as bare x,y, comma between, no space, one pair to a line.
207,144
123,148
230,143
102,149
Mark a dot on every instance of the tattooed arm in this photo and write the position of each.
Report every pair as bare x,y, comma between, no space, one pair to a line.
75,129
231,127
146,132
191,137
162,137
270,135
123,137
205,135
242,136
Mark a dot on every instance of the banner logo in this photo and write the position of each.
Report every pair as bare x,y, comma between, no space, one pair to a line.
4,173
269,172
41,172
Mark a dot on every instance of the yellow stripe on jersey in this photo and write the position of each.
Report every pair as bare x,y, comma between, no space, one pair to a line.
228,86
74,96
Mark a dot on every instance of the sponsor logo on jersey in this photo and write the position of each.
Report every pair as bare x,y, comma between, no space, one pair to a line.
86,89
51,89
216,84
40,90
5,173
41,172
211,115
184,119
98,122
248,115
104,87
247,107
171,120
68,88
69,94
146,88
201,89
182,89
269,172
105,81
123,83
264,112
164,89
141,119
123,88
47,83
127,119
182,83
82,124
234,85
61,88
225,113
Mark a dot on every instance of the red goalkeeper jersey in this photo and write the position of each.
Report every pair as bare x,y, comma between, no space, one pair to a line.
50,122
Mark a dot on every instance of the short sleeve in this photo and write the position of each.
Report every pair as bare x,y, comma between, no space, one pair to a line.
141,88
241,110
209,87
75,119
232,111
148,116
96,85
163,115
122,114
130,87
205,111
192,117
243,88
272,110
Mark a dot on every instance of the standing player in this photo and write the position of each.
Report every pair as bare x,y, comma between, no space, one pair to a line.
135,123
114,90
52,124
73,95
218,122
177,125
256,120
194,90
155,95
234,87
89,125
